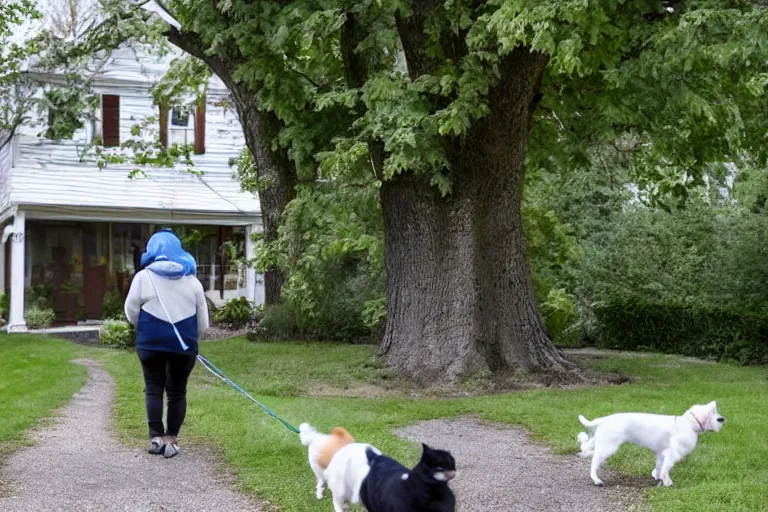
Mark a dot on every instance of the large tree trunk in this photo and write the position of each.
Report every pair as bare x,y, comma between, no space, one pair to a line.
273,168
260,128
460,295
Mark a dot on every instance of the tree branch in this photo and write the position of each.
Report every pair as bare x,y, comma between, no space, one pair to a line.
357,70
192,43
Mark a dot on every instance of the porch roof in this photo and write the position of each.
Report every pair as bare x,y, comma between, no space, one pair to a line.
49,178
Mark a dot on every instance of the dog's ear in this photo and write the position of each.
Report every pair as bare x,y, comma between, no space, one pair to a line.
700,412
712,406
425,448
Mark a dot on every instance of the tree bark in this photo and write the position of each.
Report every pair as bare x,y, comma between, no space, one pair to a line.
272,167
460,296
260,128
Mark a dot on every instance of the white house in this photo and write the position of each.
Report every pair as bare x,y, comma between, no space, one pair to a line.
73,232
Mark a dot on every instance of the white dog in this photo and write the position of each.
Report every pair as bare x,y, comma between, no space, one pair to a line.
672,438
322,448
346,472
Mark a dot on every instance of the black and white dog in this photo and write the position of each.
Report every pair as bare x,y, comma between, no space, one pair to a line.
391,487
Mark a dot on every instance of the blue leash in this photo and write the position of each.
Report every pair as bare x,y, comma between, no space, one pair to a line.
218,373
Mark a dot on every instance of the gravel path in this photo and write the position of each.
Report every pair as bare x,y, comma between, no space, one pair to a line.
76,465
502,469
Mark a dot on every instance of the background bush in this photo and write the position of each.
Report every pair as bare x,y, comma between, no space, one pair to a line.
236,313
117,334
692,330
613,270
5,305
39,318
211,308
699,256
330,249
351,311
112,306
39,296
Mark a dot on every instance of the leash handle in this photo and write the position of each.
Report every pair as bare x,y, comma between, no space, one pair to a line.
178,335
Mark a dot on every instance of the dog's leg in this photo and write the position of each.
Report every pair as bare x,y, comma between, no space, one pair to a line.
320,475
338,503
656,473
666,467
602,452
597,460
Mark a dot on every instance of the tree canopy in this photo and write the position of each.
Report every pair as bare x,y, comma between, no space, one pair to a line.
442,106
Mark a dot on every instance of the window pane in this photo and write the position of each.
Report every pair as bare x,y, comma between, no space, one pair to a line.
180,117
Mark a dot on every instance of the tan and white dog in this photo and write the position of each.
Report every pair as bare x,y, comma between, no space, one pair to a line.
322,448
671,438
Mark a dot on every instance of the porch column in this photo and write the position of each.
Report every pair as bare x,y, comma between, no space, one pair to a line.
250,272
27,259
2,268
16,322
110,250
212,278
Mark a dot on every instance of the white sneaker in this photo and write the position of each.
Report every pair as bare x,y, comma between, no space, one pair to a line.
156,446
171,450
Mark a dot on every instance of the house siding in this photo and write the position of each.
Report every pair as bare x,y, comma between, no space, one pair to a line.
54,174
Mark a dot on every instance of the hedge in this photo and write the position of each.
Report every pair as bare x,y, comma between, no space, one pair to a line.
697,331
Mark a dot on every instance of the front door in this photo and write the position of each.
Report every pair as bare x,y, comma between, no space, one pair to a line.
94,270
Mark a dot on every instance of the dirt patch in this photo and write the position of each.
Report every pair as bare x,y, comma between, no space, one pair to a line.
76,464
521,381
219,333
502,469
591,353
497,383
355,390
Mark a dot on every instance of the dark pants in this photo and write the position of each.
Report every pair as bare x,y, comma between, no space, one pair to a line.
165,372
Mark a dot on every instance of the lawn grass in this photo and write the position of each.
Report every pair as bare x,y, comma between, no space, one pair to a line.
728,471
36,378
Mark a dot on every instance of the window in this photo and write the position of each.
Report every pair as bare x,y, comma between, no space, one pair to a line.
182,125
64,114
110,120
181,129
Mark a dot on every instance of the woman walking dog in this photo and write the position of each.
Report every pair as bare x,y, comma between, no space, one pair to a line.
166,304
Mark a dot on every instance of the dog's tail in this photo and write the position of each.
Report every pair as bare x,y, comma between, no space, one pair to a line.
307,434
587,444
590,424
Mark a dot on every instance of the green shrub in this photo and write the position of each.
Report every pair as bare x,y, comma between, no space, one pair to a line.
375,313
700,256
284,321
212,309
236,312
699,331
112,306
5,305
331,252
117,334
39,296
561,318
39,318
346,314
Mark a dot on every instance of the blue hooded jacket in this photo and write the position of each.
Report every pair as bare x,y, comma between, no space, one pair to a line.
167,286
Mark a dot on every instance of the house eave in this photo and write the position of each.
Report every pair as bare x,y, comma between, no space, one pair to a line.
137,215
132,84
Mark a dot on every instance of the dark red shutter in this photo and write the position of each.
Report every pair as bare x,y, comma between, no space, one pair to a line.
164,125
200,128
110,120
